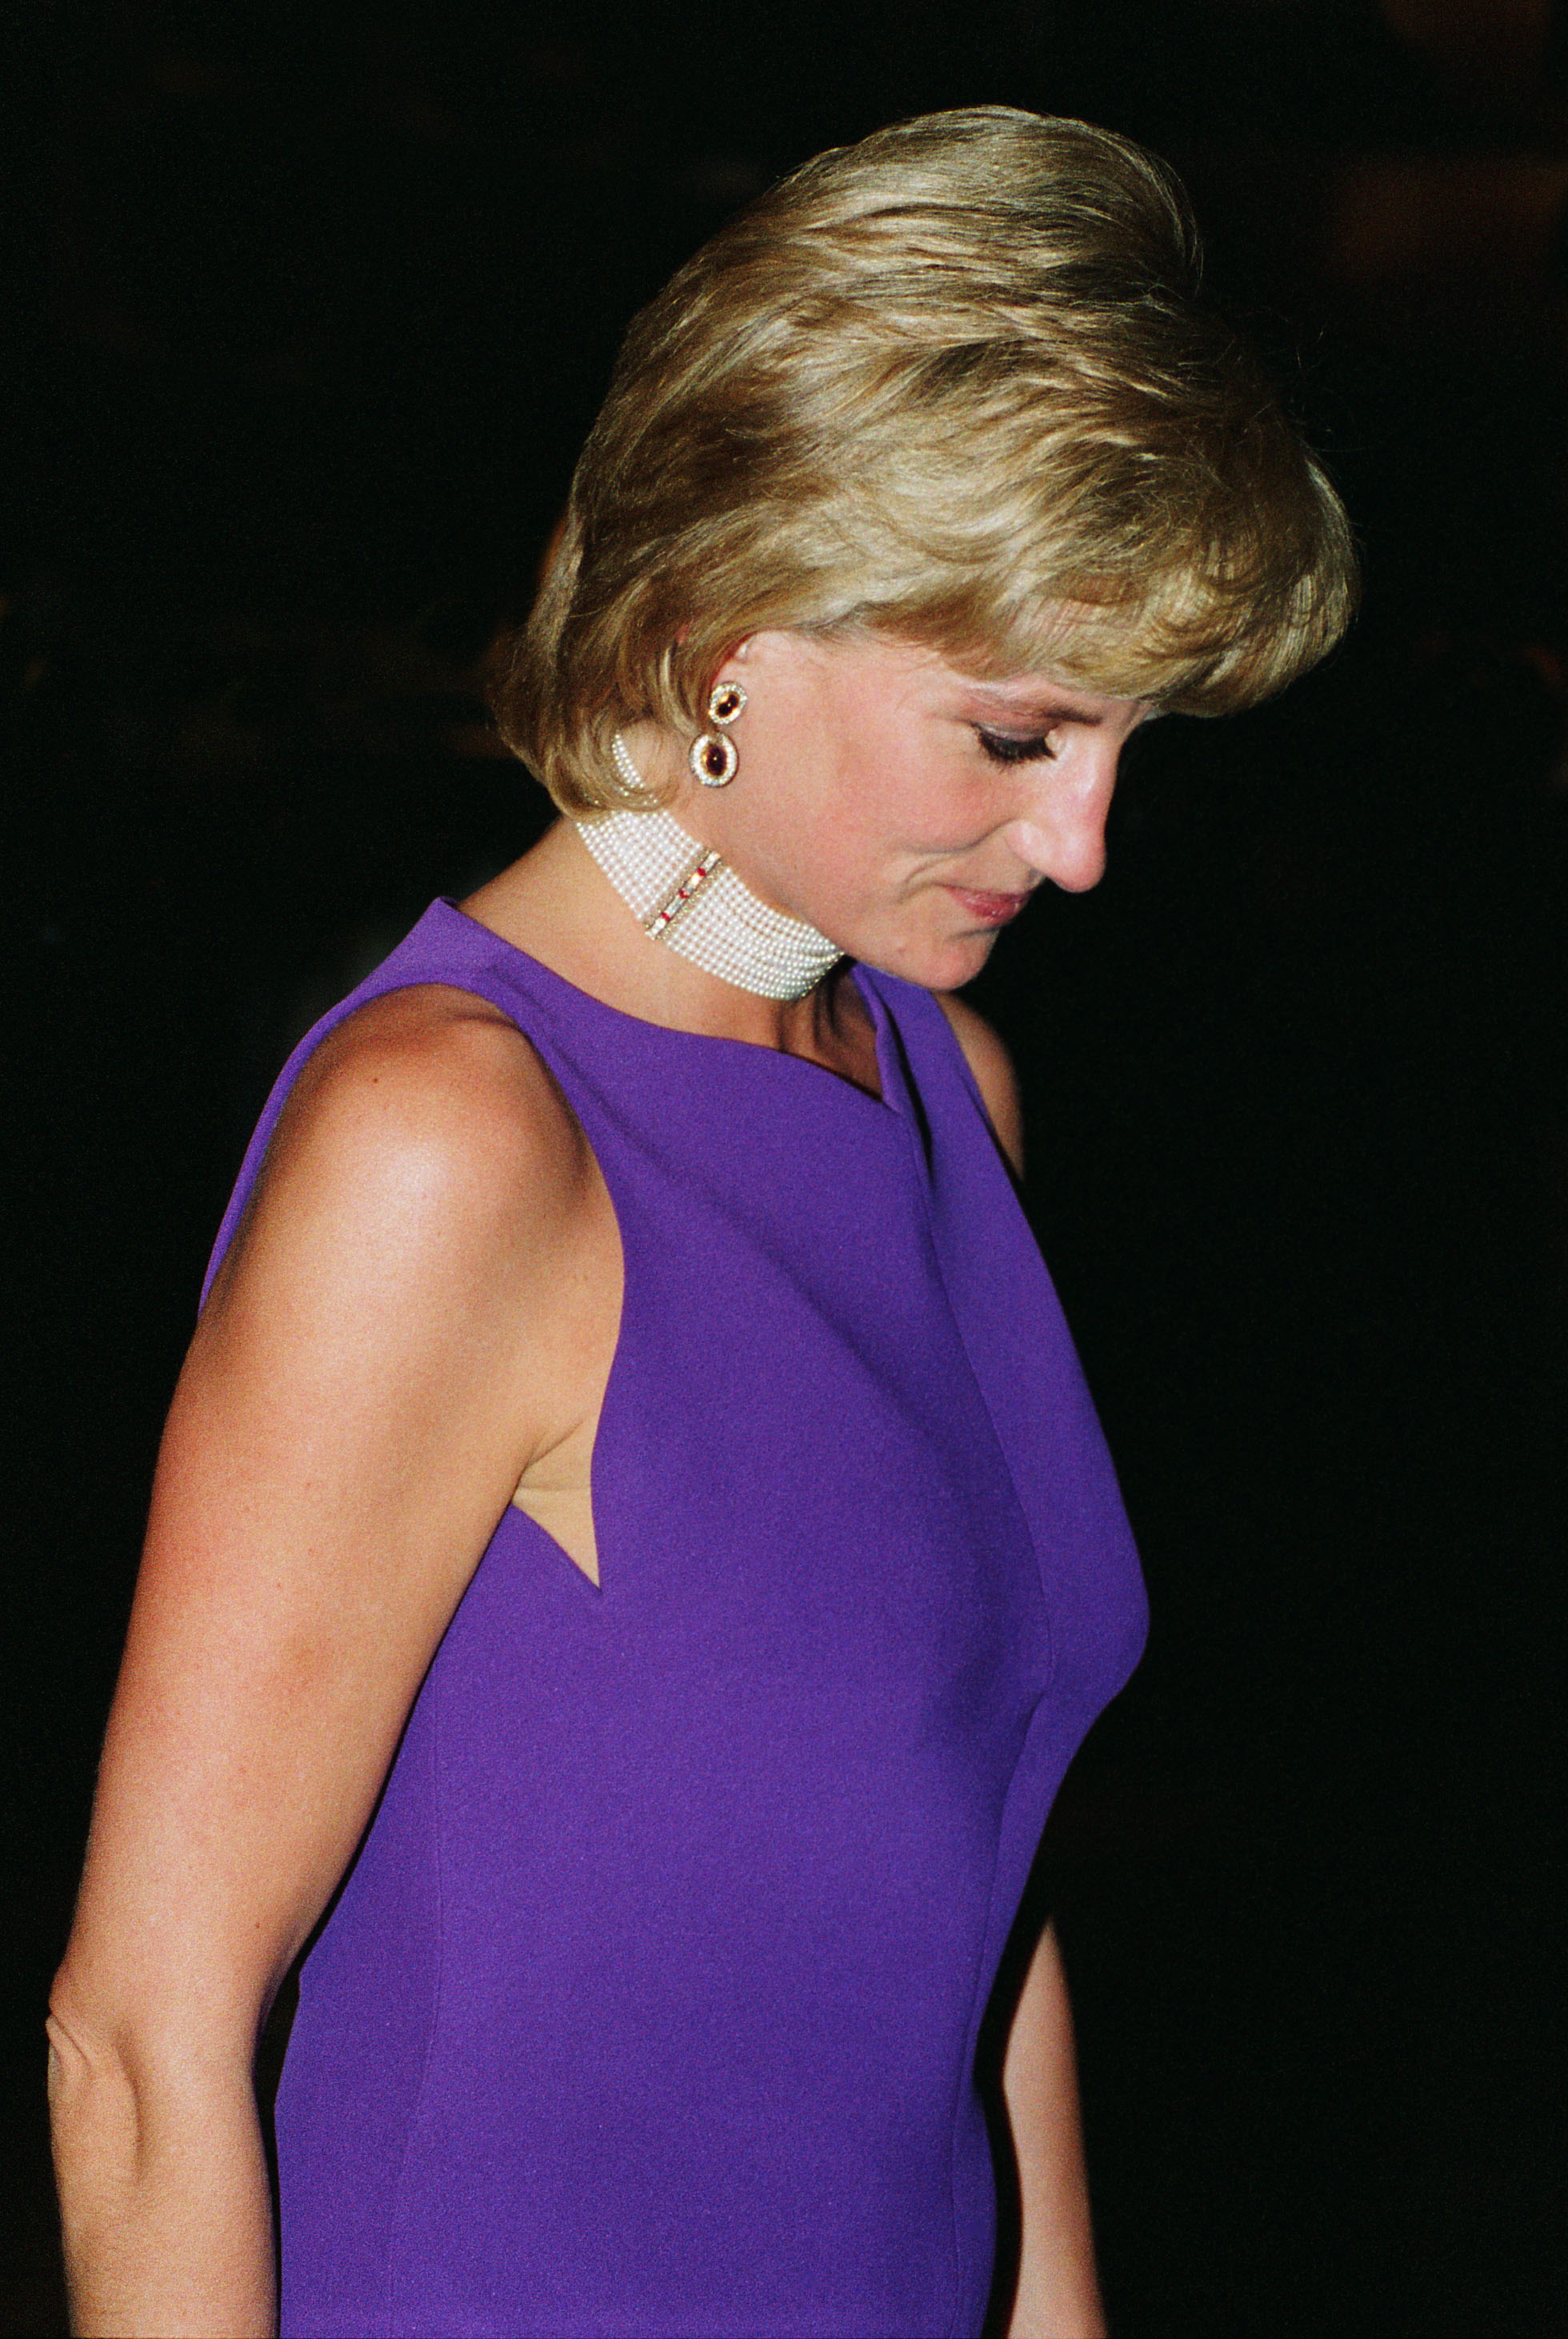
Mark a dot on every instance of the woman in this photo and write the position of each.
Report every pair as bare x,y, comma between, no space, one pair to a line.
631,1505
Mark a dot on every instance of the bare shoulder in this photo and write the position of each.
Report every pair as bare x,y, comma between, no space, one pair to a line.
423,1128
994,1077
436,1071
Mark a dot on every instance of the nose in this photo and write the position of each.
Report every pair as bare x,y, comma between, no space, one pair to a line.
1062,834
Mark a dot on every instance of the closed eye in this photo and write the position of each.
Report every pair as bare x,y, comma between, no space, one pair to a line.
1003,748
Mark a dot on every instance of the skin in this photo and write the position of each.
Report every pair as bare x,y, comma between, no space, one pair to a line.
415,1326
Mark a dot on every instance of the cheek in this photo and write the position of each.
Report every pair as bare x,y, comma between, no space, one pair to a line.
843,816
863,813
905,794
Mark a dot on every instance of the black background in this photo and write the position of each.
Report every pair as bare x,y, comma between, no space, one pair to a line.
306,310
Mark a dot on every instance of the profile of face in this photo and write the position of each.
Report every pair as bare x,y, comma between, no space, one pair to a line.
906,808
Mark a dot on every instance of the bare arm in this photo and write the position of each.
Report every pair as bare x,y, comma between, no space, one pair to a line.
994,1077
1058,2291
360,1400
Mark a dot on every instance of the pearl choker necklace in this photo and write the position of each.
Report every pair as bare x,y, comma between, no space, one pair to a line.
682,894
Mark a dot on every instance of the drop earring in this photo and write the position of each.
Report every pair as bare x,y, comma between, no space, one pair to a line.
713,757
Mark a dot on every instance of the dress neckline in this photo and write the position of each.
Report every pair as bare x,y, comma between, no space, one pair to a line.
893,1100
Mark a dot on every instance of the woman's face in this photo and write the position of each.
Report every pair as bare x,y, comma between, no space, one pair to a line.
905,808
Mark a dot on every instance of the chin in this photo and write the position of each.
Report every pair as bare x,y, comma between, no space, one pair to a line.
965,960
936,963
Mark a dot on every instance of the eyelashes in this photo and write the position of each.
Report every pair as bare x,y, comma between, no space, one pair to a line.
1004,749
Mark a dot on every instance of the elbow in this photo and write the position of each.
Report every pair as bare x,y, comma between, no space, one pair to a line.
94,2113
82,2058
159,2164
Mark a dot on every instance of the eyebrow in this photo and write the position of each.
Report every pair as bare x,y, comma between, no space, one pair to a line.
1056,708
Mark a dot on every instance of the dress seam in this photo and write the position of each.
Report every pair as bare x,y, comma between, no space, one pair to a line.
923,1169
922,1180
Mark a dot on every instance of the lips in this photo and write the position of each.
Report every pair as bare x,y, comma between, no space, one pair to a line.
991,909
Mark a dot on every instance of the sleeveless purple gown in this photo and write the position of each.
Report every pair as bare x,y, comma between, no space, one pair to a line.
650,2005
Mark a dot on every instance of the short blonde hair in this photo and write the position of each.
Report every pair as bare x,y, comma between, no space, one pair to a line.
954,384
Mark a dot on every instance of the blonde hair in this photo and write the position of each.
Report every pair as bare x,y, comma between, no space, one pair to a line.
954,384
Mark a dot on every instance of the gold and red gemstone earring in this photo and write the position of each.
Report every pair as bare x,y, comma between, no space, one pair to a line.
713,757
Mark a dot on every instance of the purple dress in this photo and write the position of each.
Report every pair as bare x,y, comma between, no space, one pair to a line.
650,2005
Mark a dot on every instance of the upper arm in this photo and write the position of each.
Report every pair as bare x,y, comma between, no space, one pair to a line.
994,1077
353,1415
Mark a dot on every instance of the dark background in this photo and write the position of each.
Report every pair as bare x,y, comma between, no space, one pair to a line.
306,308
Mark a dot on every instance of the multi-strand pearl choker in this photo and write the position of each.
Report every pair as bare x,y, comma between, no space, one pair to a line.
681,893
